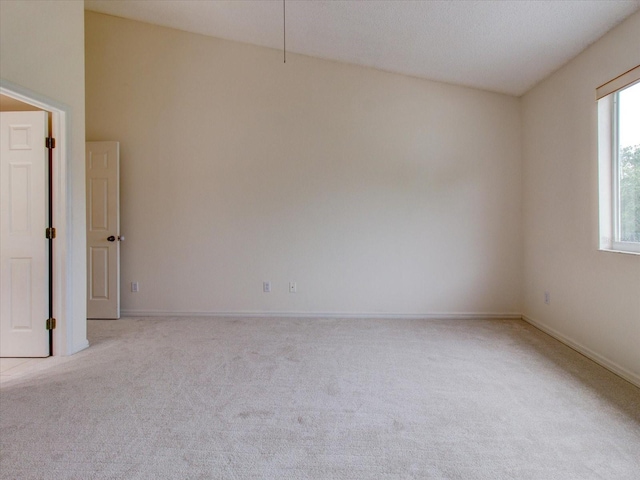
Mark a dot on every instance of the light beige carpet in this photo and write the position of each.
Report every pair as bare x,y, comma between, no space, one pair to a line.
207,398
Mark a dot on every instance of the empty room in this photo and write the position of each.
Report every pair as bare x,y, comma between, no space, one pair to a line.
320,239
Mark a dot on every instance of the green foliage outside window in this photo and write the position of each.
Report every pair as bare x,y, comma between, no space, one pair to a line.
629,169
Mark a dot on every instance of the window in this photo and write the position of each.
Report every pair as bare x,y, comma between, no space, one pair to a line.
627,117
619,162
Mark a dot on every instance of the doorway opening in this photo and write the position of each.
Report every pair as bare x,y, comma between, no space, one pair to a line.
12,97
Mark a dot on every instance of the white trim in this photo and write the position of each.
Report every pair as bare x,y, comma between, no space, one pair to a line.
618,83
626,247
587,352
608,183
80,346
427,316
624,252
605,172
63,249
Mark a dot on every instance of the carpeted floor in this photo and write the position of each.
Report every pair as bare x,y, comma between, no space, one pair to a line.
212,398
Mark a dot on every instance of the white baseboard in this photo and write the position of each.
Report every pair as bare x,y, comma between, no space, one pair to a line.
79,347
428,316
587,352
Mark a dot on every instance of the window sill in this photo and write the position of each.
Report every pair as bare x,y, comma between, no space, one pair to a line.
613,250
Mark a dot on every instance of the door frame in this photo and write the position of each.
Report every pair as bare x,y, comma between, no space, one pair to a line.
63,254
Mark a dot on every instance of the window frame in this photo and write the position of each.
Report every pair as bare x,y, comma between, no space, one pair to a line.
609,164
617,244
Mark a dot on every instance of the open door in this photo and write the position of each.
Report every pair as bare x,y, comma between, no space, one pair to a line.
24,255
103,229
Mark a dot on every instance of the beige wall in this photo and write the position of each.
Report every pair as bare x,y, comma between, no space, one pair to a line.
375,192
595,296
42,51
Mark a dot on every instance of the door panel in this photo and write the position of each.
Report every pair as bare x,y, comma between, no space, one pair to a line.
99,196
24,254
103,221
99,265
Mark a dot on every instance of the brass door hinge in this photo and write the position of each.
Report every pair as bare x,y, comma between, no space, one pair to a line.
50,142
51,323
50,233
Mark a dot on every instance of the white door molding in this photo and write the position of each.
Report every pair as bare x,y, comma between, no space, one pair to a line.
63,253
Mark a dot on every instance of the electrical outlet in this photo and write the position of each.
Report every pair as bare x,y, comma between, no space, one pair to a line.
135,287
266,287
547,298
293,288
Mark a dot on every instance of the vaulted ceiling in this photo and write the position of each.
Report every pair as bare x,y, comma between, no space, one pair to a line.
503,46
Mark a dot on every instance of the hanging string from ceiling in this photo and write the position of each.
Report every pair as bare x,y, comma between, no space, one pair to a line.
284,30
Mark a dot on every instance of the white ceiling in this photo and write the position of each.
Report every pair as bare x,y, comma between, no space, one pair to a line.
505,46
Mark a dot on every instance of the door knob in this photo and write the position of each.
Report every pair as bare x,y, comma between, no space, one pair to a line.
111,238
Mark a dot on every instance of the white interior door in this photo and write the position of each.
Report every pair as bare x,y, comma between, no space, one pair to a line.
103,229
24,256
